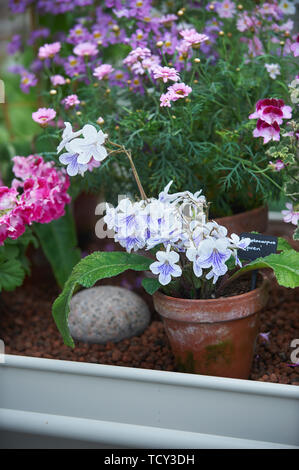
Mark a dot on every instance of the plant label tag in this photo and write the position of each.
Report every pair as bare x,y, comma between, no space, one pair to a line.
260,246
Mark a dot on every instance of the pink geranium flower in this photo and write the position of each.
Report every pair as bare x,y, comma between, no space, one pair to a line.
103,71
8,198
271,110
43,116
267,131
166,73
277,166
179,90
86,49
290,216
48,51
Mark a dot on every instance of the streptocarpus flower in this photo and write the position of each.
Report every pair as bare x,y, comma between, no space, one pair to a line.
71,160
43,116
91,145
290,216
48,51
166,266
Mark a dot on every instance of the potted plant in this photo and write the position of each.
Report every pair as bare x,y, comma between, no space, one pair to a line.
157,79
211,329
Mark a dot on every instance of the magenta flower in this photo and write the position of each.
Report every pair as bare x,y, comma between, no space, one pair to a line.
86,49
271,110
267,131
103,71
277,166
48,51
8,198
193,38
179,90
57,80
226,9
43,116
295,47
166,73
290,216
70,101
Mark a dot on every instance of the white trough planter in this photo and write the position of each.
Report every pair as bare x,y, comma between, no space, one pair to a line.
47,403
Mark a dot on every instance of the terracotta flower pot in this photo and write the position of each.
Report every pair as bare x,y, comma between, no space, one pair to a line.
254,220
214,336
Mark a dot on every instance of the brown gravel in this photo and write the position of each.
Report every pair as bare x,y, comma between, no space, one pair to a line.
27,328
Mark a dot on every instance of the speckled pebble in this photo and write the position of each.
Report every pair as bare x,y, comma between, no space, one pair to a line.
107,313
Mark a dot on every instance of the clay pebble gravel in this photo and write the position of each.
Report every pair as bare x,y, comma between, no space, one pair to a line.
27,328
107,313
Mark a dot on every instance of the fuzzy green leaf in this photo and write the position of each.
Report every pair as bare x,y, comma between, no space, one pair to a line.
151,285
11,274
285,266
296,233
283,245
87,272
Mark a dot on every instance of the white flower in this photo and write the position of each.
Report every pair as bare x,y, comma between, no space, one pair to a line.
67,136
273,70
166,266
288,8
90,146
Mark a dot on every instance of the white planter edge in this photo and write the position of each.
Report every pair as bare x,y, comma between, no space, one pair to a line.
52,403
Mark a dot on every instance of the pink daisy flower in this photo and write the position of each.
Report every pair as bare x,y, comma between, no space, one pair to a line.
70,101
48,51
43,116
103,71
85,49
57,80
165,100
166,73
179,90
193,38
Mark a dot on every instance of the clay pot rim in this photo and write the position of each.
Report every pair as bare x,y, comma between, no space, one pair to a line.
240,215
233,298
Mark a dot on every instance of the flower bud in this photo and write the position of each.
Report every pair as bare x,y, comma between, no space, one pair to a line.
159,43
53,92
197,60
221,33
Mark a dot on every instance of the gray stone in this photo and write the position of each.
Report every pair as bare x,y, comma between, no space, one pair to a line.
107,313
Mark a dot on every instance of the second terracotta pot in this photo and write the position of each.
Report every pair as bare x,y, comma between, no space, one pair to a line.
255,220
215,336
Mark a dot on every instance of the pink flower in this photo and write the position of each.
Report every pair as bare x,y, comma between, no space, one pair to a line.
267,131
8,198
103,71
57,80
166,73
43,116
277,166
85,49
49,50
138,54
255,47
70,101
165,100
226,9
93,164
193,38
295,47
271,110
290,216
179,90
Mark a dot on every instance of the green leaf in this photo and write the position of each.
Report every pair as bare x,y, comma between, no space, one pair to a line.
59,243
87,272
151,285
283,245
11,274
285,266
296,233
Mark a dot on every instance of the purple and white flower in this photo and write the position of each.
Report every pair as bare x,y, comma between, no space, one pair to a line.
166,266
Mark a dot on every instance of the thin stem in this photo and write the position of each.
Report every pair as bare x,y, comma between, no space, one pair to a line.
129,156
